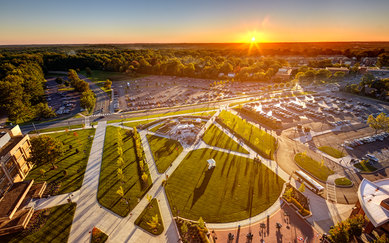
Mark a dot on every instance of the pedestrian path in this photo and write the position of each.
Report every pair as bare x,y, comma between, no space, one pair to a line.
85,216
54,200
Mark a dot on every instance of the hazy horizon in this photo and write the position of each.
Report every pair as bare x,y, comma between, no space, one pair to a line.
122,22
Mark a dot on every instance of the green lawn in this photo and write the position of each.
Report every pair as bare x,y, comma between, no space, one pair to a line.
165,151
365,166
216,137
155,129
54,129
151,210
66,89
261,141
313,166
101,85
74,163
109,182
55,229
167,114
343,181
331,151
134,124
235,189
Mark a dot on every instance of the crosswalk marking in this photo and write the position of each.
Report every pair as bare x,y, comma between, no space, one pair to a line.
102,114
331,192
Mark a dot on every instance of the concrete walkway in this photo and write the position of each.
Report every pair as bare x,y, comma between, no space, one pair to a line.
54,200
86,214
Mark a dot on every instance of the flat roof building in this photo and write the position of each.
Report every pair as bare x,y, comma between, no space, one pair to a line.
373,201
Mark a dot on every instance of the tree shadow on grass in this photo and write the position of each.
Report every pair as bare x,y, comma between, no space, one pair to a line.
234,184
199,191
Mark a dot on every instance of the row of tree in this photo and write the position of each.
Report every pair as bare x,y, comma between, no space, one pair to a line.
88,98
306,74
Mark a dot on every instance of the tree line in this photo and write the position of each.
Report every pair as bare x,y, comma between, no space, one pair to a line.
22,69
22,87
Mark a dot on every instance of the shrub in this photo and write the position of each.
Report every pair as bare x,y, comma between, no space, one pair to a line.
343,181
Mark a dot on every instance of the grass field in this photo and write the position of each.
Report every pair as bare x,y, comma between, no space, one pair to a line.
165,151
74,163
365,166
66,89
237,188
216,137
151,210
331,151
343,181
54,129
313,166
109,182
264,143
56,228
101,85
155,129
134,124
166,114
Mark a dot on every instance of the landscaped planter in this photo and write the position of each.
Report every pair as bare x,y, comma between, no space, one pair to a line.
98,236
295,201
194,234
344,186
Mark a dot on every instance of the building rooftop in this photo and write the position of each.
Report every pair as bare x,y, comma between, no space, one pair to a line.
13,198
371,195
10,145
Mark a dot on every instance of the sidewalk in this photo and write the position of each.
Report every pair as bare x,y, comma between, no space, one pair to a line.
54,200
85,216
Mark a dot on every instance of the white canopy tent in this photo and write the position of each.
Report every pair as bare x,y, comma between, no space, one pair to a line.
211,163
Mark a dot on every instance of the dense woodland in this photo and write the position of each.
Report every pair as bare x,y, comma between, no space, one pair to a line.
22,69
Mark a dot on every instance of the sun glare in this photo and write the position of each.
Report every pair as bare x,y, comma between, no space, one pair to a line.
253,39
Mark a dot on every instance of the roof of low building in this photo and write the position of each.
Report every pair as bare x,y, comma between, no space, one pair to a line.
370,195
13,198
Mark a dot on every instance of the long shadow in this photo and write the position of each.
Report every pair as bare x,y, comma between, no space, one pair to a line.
199,191
279,236
235,183
64,158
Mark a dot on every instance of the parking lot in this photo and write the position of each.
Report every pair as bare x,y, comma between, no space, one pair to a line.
166,91
321,112
63,99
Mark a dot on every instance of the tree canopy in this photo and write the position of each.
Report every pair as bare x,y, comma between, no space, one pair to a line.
379,123
46,149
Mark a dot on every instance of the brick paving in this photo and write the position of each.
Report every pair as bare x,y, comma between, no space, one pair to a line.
294,229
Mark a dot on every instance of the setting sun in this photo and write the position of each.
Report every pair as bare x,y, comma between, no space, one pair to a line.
253,39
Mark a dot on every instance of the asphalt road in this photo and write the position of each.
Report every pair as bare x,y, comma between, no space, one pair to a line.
117,116
102,99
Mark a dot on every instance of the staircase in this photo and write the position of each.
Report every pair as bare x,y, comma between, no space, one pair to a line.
331,192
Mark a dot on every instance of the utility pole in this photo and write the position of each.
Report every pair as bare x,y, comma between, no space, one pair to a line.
35,128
